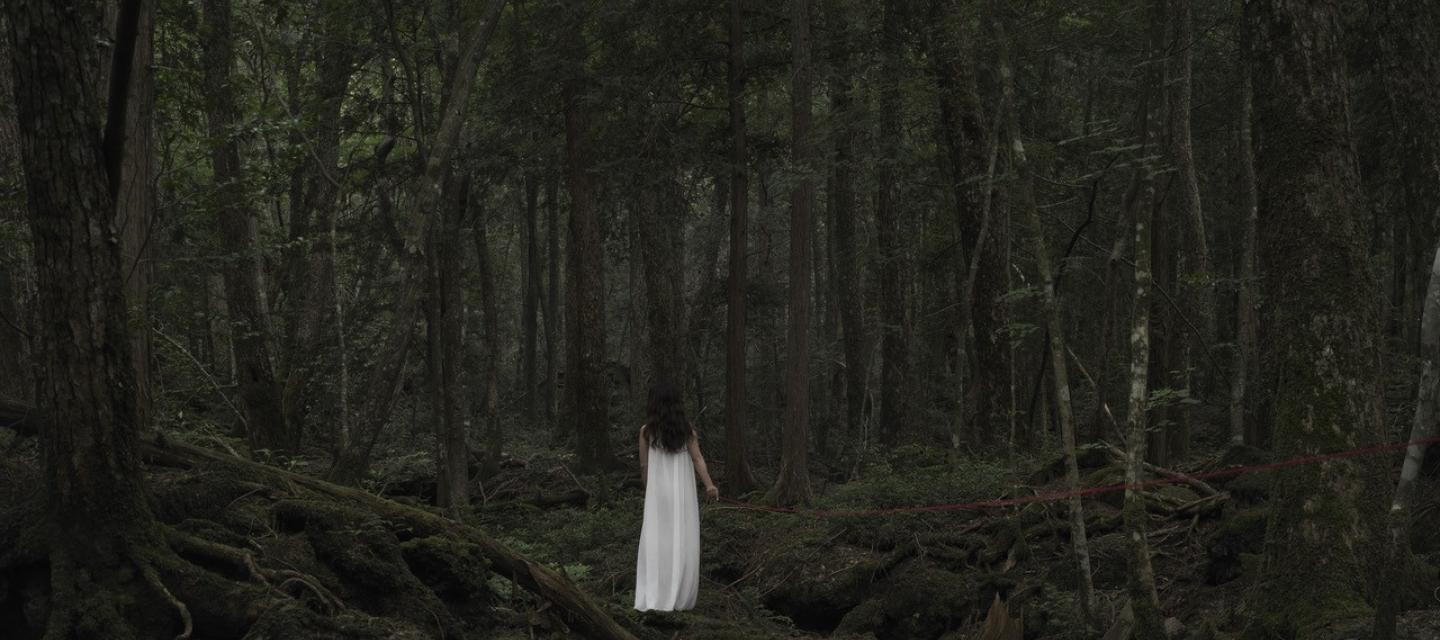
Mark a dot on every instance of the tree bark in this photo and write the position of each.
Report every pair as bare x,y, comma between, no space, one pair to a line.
309,265
738,478
1396,554
894,352
1140,583
383,386
844,253
552,297
100,527
587,381
530,306
1245,299
494,431
135,202
260,392
1055,328
792,484
1327,358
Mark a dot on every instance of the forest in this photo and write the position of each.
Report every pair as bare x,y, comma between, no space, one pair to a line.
994,319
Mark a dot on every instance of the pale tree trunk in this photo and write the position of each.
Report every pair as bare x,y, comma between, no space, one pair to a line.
738,478
1397,555
793,482
1140,583
1325,351
1182,41
260,392
1055,328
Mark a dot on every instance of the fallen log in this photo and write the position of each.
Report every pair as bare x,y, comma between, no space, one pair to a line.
576,607
1199,485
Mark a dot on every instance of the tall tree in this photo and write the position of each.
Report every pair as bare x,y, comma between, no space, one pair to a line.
1245,300
104,542
792,484
738,478
383,386
1140,581
135,201
586,381
1397,554
844,250
894,352
1054,330
1325,355
260,392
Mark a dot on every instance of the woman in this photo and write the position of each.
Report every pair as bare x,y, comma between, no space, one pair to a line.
667,566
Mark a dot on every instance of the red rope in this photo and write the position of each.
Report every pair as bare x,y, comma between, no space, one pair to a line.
1091,491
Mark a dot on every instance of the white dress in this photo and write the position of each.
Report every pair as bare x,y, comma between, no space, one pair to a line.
667,565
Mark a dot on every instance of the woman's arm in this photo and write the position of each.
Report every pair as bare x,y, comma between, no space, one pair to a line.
699,460
644,458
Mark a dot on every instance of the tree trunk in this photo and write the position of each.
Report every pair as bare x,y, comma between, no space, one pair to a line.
14,316
1327,358
1055,329
1183,43
738,478
1140,583
383,386
662,246
453,420
260,392
1396,555
1245,300
894,356
980,270
494,431
100,528
587,381
793,482
135,203
309,265
552,296
845,254
530,306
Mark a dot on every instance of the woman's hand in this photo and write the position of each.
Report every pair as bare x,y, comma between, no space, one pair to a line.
712,492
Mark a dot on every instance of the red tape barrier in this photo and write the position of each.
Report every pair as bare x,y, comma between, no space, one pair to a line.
1092,491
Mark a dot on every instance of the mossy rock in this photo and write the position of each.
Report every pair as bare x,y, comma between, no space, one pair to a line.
865,618
817,591
921,601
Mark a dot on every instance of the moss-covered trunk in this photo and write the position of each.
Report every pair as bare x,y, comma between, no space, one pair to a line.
1323,298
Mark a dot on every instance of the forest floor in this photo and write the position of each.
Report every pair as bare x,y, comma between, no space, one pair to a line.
764,575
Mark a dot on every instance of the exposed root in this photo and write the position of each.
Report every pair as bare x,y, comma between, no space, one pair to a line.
152,578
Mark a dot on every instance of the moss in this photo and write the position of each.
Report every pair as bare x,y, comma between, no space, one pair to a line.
1241,533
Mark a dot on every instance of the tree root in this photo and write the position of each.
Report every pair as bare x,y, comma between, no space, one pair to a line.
577,609
152,577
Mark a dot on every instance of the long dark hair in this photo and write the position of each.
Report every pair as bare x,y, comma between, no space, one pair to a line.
668,429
